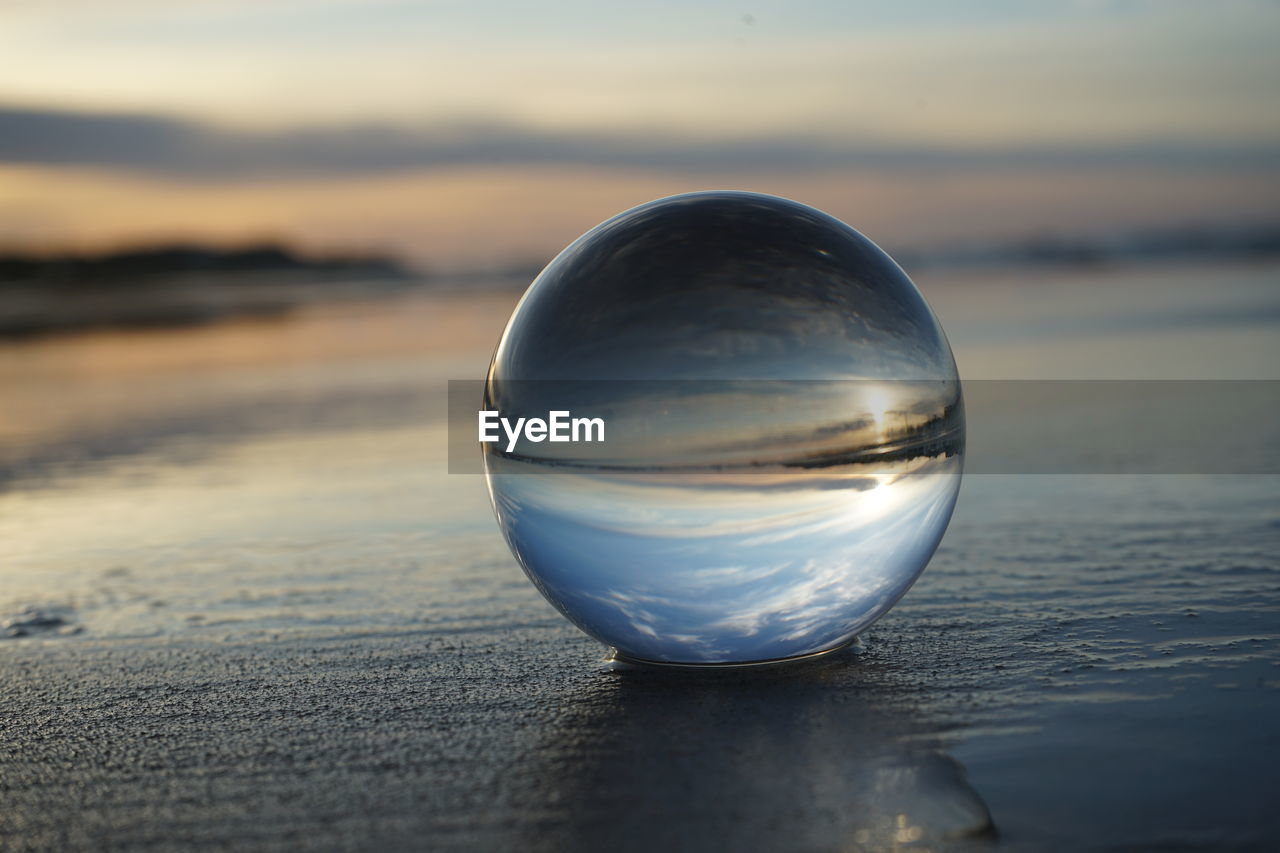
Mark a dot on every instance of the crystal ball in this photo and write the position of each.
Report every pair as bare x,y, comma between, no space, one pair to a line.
742,437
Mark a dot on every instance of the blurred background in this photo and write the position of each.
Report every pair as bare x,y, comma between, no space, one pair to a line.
462,137
226,221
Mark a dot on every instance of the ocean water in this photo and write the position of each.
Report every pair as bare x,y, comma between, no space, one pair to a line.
1092,656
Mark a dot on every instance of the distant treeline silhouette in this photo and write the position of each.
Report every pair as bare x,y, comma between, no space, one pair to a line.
178,285
1241,240
1255,240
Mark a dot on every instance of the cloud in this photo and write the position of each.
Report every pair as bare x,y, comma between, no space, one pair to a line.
163,146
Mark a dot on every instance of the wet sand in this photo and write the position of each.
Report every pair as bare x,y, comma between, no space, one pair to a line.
247,608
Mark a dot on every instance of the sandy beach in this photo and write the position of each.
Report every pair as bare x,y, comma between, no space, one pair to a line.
246,607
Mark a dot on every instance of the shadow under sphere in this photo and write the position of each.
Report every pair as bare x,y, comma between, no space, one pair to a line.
790,758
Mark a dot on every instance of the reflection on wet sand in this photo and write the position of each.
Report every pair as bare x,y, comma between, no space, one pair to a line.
816,756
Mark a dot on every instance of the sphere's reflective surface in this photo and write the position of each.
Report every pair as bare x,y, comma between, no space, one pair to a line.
783,431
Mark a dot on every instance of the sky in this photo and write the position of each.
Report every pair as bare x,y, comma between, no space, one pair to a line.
472,134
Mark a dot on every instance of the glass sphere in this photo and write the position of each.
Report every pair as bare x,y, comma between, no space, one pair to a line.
781,427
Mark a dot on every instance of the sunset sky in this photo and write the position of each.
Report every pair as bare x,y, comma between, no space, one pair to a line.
475,134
